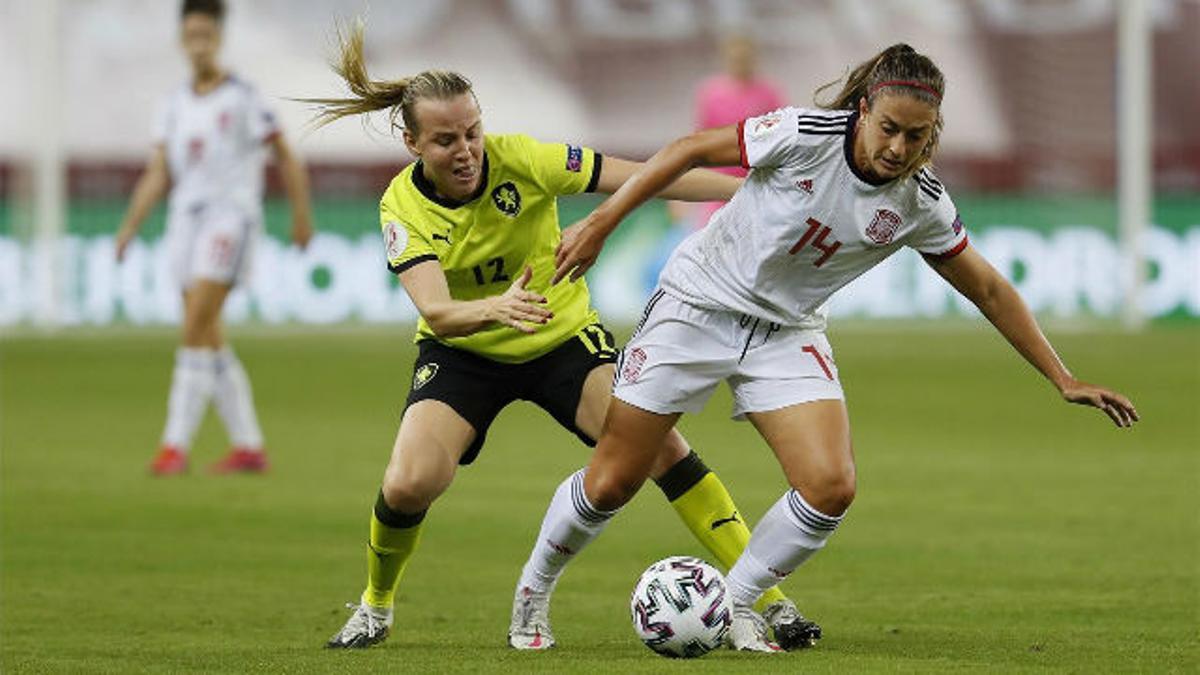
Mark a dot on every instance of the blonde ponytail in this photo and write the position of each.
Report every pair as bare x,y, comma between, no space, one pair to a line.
398,96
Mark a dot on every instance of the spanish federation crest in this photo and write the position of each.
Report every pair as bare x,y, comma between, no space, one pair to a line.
883,228
507,199
423,375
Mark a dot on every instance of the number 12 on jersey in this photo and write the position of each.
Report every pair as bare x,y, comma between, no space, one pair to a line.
827,249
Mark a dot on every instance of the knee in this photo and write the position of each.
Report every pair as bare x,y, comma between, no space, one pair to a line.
407,493
833,493
609,490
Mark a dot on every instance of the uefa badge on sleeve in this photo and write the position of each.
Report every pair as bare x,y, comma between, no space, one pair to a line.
574,158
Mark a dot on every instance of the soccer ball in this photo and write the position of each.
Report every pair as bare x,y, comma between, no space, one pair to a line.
680,607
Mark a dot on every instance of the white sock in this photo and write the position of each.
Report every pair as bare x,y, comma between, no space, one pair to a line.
235,401
192,385
570,523
787,535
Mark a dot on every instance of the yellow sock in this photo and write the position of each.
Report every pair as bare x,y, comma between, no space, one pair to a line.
709,512
388,553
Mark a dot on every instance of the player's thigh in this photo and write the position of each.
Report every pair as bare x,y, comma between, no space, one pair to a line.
593,406
431,440
593,400
812,443
202,303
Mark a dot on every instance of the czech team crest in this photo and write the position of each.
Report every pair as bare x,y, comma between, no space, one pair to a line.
883,227
424,374
507,199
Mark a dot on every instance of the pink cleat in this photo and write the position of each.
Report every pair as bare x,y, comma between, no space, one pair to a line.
170,461
241,460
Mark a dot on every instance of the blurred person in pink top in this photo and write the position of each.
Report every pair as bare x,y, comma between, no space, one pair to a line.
735,94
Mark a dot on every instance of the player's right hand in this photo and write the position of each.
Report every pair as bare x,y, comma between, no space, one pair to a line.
1118,408
521,308
579,249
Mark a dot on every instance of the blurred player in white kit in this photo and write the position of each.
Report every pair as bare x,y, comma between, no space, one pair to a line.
211,137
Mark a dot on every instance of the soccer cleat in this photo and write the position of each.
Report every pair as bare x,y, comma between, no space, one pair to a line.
792,630
748,633
241,460
530,627
365,627
170,461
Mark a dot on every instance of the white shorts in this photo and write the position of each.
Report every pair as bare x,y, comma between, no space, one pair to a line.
211,244
680,352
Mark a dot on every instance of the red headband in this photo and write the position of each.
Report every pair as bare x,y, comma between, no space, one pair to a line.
906,83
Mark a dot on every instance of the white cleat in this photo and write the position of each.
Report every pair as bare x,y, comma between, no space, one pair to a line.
748,633
365,627
530,627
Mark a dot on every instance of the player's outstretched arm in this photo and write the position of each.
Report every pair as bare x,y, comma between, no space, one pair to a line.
697,185
517,307
150,188
975,278
295,183
712,147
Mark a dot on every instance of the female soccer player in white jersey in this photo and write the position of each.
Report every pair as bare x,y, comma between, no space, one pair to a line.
831,193
471,228
210,141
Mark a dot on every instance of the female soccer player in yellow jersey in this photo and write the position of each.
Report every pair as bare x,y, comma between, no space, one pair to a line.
210,142
471,229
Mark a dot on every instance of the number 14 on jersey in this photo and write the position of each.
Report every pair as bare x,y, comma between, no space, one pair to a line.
827,249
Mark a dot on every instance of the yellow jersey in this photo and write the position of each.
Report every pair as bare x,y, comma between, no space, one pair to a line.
483,244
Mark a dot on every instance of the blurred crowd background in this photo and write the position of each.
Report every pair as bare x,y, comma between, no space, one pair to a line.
1029,151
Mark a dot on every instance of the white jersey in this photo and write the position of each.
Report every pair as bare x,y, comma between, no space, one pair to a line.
215,146
805,223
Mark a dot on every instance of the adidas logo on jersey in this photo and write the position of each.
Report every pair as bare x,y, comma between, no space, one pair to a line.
806,185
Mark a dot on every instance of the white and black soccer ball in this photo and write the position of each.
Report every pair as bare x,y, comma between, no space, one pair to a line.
681,607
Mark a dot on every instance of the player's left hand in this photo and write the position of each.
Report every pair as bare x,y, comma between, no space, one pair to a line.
1118,408
302,232
578,250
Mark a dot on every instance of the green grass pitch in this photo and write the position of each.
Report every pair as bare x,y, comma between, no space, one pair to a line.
996,529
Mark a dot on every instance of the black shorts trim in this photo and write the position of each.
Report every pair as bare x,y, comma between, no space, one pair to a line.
478,388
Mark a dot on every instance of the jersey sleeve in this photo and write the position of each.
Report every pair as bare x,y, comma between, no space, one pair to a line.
405,242
564,169
772,139
262,125
160,126
941,234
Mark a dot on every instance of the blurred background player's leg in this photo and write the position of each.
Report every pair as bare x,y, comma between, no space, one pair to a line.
235,404
195,376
